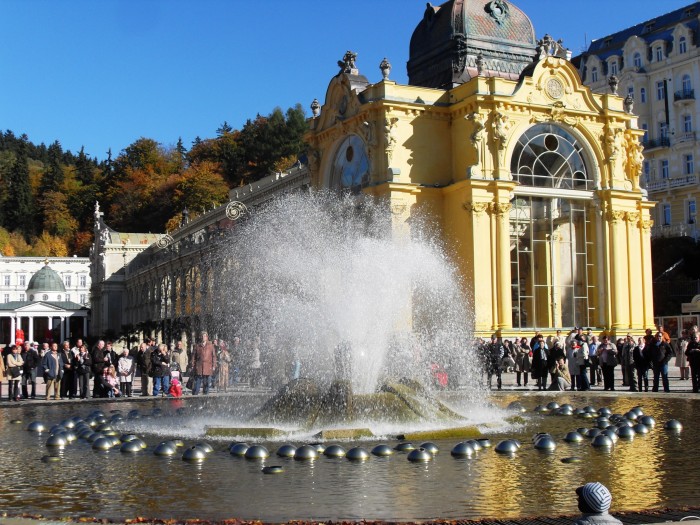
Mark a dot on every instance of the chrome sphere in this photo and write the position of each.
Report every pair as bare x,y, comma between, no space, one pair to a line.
579,412
257,452
638,410
582,430
85,434
194,453
631,415
157,412
567,406
36,426
648,421
319,447
484,442
463,450
57,440
475,444
590,409
605,411
57,429
91,422
166,448
206,447
357,454
552,405
626,432
602,423
382,450
68,423
273,469
419,455
641,428
539,435
334,451
516,406
286,451
573,437
404,447
94,437
50,459
133,414
96,413
673,424
131,447
546,443
572,459
593,433
602,441
179,443
432,447
116,418
104,427
103,443
101,420
305,452
541,408
625,423
111,433
127,437
564,411
611,434
70,436
239,449
507,446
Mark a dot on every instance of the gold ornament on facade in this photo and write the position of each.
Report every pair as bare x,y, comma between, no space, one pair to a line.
554,88
632,217
613,142
235,210
477,208
390,135
500,129
500,209
479,126
646,225
615,216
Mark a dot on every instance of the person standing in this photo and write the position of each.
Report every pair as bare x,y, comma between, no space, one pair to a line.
692,352
681,359
52,364
204,363
68,378
627,363
523,354
495,352
224,361
607,356
540,358
143,361
179,356
98,363
596,375
32,360
125,371
640,355
82,364
161,370
14,373
660,353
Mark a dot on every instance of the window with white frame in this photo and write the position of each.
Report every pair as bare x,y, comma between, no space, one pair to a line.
663,130
666,215
637,60
613,67
692,211
6,280
687,85
664,169
67,280
23,280
643,95
687,123
7,297
689,164
82,280
22,297
83,298
682,45
659,53
660,91
594,74
67,297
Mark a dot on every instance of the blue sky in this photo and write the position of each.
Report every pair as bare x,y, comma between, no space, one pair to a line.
102,73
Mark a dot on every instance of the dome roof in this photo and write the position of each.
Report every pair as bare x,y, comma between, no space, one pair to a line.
46,280
446,43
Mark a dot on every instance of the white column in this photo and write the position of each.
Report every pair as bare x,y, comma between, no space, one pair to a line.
12,329
31,329
63,329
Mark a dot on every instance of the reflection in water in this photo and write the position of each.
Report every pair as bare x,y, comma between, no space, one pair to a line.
85,483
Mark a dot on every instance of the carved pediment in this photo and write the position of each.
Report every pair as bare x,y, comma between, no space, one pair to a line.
342,99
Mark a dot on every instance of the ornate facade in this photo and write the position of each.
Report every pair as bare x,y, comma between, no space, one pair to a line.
533,180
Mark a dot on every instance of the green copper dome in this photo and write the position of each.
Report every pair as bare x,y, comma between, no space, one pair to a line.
46,280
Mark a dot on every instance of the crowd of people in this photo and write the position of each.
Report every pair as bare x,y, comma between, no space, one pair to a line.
580,360
79,372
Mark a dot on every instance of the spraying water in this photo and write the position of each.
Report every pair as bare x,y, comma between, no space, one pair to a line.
324,288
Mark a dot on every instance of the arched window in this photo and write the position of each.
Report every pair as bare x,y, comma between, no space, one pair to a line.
548,156
637,60
350,171
550,231
594,74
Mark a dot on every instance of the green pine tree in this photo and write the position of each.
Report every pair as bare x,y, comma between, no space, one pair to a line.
19,208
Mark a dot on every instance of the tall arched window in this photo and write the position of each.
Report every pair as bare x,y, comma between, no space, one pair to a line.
550,230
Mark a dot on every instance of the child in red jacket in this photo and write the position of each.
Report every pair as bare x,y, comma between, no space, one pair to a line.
175,388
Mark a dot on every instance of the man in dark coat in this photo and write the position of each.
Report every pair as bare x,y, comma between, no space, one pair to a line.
692,352
203,364
661,353
32,360
540,359
494,353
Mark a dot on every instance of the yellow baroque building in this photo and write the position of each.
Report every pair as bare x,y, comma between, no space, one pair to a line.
532,179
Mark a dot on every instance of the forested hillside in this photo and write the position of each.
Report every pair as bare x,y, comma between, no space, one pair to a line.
47,195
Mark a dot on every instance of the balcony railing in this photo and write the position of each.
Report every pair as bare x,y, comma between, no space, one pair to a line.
686,94
688,136
663,142
676,230
676,182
